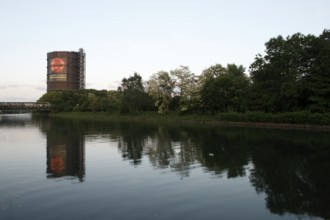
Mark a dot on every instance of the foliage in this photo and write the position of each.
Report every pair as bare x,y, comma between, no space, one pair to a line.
186,87
211,73
82,100
302,117
293,75
226,91
317,80
134,98
160,88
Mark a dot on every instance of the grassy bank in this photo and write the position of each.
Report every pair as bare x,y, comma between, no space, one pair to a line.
297,120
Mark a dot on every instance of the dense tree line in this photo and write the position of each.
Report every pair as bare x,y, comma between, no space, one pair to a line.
293,75
83,100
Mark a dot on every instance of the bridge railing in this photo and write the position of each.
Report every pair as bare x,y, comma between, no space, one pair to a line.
25,106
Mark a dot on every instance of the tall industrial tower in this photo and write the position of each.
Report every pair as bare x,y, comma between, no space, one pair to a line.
66,70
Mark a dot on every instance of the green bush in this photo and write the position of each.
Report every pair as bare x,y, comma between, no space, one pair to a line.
303,117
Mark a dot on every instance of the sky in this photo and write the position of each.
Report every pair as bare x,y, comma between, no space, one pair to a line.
144,36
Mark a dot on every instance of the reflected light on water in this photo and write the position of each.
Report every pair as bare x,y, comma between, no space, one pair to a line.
159,171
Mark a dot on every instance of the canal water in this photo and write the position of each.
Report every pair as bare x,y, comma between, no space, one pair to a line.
75,169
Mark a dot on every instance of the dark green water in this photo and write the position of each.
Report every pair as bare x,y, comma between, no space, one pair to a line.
65,169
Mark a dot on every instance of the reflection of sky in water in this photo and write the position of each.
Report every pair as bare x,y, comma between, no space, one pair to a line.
20,140
161,181
150,174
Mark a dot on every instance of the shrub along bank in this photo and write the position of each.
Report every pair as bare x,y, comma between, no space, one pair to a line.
300,120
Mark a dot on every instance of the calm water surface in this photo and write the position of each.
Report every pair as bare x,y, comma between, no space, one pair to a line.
70,169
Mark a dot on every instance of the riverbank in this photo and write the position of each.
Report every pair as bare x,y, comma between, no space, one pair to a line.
297,120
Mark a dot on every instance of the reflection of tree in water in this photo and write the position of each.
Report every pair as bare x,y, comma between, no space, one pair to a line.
131,148
160,150
182,148
172,149
294,175
291,168
132,140
223,151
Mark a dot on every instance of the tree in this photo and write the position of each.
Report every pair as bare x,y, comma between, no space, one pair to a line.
211,73
113,100
316,84
268,74
132,83
134,98
186,87
227,91
240,87
235,71
82,100
293,74
160,88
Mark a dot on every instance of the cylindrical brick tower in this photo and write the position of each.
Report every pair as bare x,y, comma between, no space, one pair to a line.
65,70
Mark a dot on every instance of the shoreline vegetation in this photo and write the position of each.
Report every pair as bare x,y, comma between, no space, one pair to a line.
288,120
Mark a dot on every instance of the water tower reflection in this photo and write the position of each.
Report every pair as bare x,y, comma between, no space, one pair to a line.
65,155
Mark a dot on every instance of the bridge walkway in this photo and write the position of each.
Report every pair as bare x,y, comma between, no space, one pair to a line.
24,107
